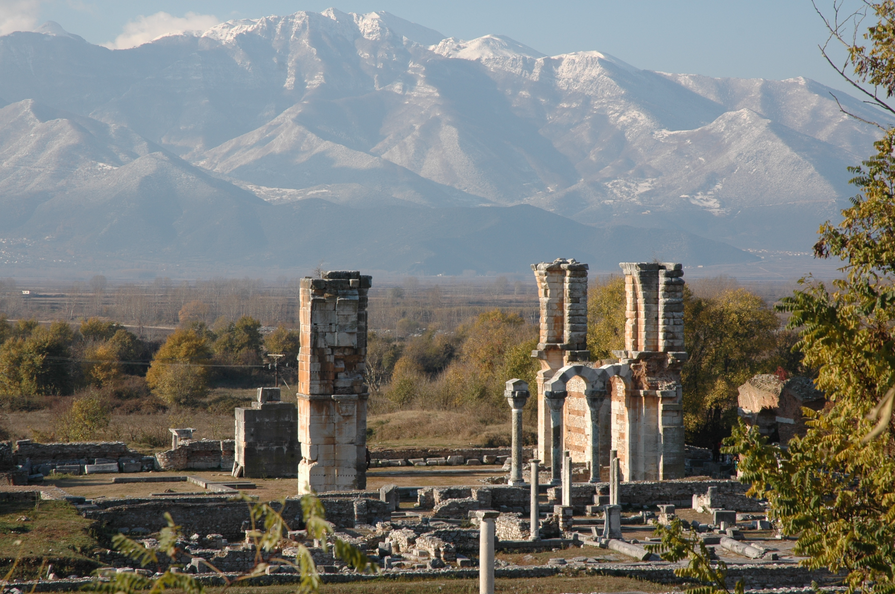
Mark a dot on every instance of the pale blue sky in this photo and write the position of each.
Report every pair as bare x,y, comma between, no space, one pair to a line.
746,38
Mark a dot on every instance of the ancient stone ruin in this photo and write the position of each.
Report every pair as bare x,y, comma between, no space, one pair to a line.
267,437
332,396
774,404
632,407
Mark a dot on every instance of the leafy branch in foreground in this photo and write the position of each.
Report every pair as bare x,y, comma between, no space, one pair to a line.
678,544
833,489
268,533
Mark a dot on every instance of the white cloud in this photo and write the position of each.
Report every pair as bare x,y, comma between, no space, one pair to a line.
146,28
19,15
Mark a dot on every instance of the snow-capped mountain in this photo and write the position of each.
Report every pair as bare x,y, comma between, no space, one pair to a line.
371,111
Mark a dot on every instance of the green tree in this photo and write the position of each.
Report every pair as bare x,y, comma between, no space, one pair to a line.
728,339
606,317
835,487
239,342
179,373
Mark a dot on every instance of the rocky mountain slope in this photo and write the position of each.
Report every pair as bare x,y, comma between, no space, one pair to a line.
244,141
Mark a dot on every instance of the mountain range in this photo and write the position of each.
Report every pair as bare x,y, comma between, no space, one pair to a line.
367,141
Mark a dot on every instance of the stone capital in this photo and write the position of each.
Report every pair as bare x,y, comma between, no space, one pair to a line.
595,396
555,399
484,514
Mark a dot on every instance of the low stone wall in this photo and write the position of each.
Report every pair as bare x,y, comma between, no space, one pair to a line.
222,515
512,527
59,453
677,492
730,494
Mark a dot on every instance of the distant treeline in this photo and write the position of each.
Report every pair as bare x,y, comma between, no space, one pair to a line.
400,309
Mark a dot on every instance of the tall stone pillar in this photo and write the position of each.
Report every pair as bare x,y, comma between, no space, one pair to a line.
562,295
332,396
555,402
516,393
534,512
595,398
647,420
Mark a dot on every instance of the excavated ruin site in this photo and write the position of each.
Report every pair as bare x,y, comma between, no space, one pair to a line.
609,463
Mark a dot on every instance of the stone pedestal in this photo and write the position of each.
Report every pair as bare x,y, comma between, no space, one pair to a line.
612,521
267,437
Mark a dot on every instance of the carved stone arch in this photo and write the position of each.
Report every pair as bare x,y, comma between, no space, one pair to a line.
594,378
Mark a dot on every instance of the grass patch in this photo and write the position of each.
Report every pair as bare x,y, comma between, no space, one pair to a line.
41,532
548,585
541,557
435,428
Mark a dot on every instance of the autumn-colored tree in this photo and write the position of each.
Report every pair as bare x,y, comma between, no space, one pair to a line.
178,374
87,417
606,317
283,341
36,361
835,487
382,354
194,311
490,355
98,329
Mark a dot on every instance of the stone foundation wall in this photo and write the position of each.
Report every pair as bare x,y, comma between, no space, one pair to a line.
678,492
512,527
267,440
40,453
199,454
221,515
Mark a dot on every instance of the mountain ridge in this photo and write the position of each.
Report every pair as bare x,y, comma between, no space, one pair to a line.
373,112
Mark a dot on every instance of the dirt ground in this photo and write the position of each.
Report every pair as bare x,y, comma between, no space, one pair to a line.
102,485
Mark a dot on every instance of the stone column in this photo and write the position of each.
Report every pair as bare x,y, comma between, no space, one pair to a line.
486,550
516,393
555,401
535,516
566,479
614,472
595,398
